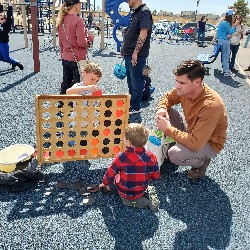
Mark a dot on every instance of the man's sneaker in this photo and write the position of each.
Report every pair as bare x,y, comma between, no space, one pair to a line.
234,70
229,73
196,173
151,89
141,202
134,111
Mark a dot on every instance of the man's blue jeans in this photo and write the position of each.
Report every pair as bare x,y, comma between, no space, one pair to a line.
201,33
135,80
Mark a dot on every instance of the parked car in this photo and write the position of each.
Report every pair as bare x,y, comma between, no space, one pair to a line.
190,28
210,32
247,30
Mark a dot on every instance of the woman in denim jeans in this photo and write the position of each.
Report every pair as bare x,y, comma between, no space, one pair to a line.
235,42
224,34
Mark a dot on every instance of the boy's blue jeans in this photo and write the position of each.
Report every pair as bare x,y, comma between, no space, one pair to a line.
135,80
5,54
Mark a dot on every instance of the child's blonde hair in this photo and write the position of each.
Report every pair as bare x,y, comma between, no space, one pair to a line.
93,68
137,134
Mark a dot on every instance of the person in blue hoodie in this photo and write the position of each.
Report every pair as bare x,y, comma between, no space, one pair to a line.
5,27
224,34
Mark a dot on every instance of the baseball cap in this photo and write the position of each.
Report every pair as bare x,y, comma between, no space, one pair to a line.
72,2
229,12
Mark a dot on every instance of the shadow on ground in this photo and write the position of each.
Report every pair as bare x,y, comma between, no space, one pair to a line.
227,80
202,205
14,84
128,226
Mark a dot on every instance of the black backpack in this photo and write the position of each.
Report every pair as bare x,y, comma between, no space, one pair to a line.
23,179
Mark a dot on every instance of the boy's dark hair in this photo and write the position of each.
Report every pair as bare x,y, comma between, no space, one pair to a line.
193,68
137,134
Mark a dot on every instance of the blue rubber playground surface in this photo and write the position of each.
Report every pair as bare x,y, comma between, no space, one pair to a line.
211,213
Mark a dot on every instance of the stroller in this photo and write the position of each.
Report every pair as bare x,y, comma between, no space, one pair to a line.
206,59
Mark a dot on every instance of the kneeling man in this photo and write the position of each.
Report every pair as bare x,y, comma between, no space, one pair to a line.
201,133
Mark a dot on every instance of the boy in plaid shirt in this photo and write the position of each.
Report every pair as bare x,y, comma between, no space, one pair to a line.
133,169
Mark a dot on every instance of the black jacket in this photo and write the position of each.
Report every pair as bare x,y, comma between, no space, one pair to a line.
5,28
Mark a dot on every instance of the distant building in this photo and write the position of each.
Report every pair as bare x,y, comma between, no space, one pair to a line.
177,15
189,14
209,17
165,13
213,17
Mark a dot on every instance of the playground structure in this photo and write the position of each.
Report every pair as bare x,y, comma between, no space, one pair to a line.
112,9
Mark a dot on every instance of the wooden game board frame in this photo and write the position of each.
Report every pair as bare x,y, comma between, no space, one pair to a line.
50,154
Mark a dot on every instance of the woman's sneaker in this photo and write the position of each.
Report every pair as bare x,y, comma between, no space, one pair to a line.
229,73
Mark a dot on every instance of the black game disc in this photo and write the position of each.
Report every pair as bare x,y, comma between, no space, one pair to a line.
76,185
92,188
88,201
62,185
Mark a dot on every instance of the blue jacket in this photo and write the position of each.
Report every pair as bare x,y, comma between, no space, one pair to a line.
225,29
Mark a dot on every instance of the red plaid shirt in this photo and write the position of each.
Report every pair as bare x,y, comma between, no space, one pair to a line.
132,171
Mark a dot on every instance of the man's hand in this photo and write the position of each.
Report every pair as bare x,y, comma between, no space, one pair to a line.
162,123
134,59
162,112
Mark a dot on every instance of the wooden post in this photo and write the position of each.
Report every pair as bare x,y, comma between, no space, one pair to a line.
25,33
35,41
54,22
102,25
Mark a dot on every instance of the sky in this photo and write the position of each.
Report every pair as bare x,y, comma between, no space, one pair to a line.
205,6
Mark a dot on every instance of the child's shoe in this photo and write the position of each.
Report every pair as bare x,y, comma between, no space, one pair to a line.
154,202
20,66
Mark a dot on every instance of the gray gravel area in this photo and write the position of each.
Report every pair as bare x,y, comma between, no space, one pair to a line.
212,213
